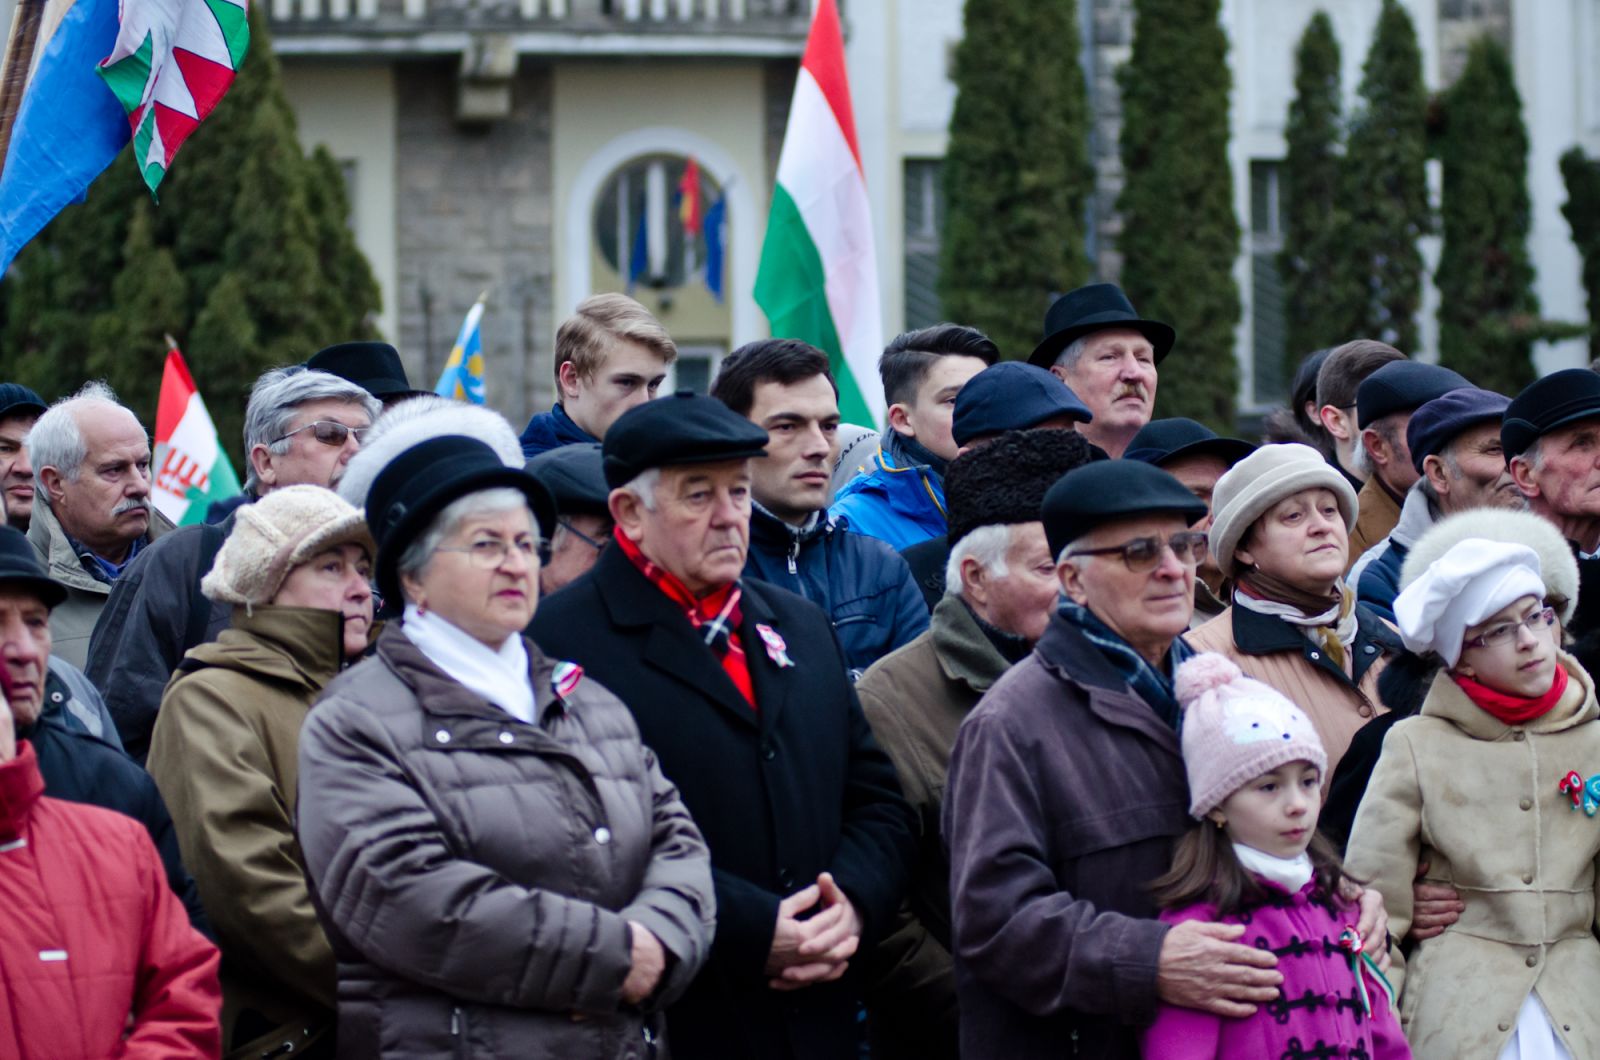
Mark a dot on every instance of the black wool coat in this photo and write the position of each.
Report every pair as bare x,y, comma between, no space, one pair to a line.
781,793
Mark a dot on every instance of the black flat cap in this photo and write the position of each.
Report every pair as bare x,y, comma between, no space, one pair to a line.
1012,396
1161,440
686,428
1436,424
1403,386
1005,481
373,366
18,400
19,565
1558,399
416,485
1107,490
1095,307
575,475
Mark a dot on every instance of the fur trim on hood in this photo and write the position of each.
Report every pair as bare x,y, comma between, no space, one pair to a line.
1557,565
415,421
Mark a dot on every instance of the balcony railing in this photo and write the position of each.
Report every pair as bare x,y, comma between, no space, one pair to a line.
760,17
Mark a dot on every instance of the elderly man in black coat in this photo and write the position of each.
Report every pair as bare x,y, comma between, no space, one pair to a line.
741,690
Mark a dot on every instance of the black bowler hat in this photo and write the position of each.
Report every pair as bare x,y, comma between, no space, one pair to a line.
373,366
417,485
1558,399
1012,396
1161,440
1403,386
19,564
18,400
1095,308
575,475
1436,424
1108,490
686,428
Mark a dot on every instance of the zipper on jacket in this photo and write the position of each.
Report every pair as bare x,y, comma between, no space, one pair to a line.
457,1029
794,553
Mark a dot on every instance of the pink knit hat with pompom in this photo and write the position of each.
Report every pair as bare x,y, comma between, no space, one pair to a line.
1235,729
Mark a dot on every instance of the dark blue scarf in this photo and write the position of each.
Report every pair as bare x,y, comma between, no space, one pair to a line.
1148,683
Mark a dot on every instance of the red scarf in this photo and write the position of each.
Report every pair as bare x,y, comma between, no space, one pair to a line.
1514,710
716,615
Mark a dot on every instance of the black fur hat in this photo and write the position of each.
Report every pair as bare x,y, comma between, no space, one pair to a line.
1004,481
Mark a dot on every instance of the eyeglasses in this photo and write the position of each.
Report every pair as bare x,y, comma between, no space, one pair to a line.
1505,632
1144,553
329,432
598,546
491,552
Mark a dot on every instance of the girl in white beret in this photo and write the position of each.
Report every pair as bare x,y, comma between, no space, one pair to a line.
1494,785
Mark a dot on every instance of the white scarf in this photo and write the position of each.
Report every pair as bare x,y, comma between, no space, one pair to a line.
1344,628
498,675
1289,873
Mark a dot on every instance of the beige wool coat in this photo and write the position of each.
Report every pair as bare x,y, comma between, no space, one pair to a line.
1479,801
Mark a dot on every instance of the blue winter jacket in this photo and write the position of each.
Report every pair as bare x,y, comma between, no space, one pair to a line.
894,501
863,585
551,430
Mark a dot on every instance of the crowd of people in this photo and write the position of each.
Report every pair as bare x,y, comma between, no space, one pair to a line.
711,726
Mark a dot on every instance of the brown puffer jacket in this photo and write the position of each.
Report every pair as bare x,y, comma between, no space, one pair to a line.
477,874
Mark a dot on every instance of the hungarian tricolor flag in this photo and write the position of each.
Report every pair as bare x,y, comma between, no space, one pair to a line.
191,470
818,279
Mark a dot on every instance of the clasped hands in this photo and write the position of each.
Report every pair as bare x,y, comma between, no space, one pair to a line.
815,948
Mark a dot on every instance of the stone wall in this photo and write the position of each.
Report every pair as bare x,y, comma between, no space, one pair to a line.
476,214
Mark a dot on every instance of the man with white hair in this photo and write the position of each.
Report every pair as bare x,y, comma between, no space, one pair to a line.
92,515
1000,591
301,427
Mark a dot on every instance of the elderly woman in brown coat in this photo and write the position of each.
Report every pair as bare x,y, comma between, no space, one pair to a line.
503,869
1280,526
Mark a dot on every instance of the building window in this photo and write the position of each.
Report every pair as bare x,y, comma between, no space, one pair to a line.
642,228
924,219
1268,326
694,369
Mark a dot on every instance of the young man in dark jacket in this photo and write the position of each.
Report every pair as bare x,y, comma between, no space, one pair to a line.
784,387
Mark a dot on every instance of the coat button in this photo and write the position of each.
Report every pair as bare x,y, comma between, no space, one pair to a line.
1504,1027
506,737
1364,710
1532,961
602,835
1369,649
1519,736
1526,804
443,736
768,752
785,879
1527,877
1315,656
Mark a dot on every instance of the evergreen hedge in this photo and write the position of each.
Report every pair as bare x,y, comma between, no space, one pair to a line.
1582,211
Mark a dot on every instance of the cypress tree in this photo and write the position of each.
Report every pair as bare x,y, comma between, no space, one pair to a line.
1385,183
1180,236
1016,174
1488,313
247,261
1322,302
1582,211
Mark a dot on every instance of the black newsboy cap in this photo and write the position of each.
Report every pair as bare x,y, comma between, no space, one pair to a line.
1403,386
1558,399
575,475
686,428
18,400
1107,490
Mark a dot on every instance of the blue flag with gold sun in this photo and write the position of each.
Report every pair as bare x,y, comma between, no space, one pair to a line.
462,378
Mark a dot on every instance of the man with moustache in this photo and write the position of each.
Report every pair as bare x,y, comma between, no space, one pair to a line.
1107,355
19,408
784,386
92,512
1455,447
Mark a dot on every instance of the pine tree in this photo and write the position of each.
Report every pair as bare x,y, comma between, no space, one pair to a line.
1016,174
1488,313
1384,184
247,261
1180,236
1582,211
1322,301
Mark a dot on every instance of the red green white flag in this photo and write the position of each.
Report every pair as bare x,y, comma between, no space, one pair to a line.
818,278
169,68
191,470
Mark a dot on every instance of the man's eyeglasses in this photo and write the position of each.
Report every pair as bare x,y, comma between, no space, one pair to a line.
1144,553
491,552
598,546
329,432
1506,632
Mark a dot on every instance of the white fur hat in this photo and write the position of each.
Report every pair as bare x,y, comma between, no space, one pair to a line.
414,421
275,535
1460,589
1265,477
1557,566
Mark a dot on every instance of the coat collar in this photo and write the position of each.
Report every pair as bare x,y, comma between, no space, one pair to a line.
1073,658
55,551
964,653
1446,700
442,695
1257,634
302,646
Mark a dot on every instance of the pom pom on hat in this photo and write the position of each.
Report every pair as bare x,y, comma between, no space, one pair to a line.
1235,729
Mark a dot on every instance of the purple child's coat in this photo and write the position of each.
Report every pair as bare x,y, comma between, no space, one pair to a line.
1318,1014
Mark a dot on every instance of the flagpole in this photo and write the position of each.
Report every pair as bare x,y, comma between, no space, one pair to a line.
25,23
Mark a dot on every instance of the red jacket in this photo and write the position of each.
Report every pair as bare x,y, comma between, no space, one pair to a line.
91,933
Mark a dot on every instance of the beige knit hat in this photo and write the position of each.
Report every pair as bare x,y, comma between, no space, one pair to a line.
276,534
1265,477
